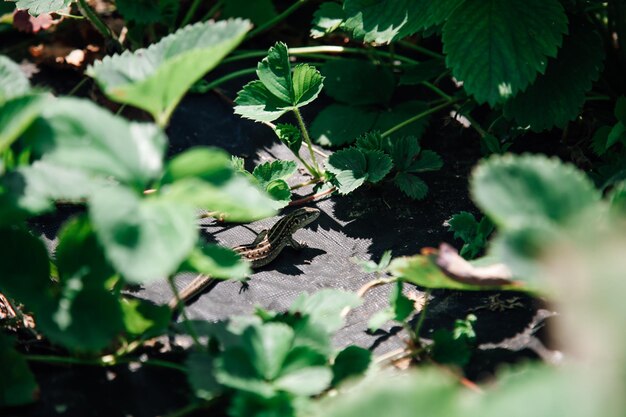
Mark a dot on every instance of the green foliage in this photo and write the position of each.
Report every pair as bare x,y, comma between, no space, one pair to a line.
557,97
455,347
353,166
400,308
351,361
18,387
155,79
474,234
13,82
205,178
382,21
344,80
497,47
278,89
217,262
607,136
276,361
290,136
326,19
272,177
370,266
374,157
145,239
16,115
340,124
258,11
149,11
37,7
424,71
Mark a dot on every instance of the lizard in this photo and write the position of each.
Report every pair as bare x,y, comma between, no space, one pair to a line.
263,250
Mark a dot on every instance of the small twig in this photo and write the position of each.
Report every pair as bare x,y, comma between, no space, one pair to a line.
373,284
304,184
312,197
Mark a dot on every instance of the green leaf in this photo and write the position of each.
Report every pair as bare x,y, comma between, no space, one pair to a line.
258,11
142,318
75,133
306,381
424,71
464,226
403,150
326,19
83,272
275,170
352,167
236,200
455,347
18,385
345,78
600,139
268,346
340,124
201,376
278,90
16,115
427,392
399,113
257,103
32,189
324,307
516,191
155,79
13,82
497,47
209,164
558,96
37,7
148,11
351,361
426,161
617,134
24,268
218,262
145,239
235,369
411,185
422,270
274,71
290,136
400,308
382,21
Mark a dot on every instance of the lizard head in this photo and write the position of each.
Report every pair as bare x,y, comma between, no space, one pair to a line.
304,216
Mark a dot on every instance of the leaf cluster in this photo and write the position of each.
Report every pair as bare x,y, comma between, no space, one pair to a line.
374,157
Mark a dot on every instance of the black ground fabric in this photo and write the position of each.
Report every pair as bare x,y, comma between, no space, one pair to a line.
362,225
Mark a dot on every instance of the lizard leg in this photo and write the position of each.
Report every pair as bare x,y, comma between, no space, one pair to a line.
259,237
295,244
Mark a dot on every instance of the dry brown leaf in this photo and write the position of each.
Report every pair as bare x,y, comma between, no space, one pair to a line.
456,267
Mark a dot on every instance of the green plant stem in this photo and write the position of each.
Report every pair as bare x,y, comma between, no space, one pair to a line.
216,83
180,306
305,135
105,361
437,90
90,14
213,10
190,12
312,197
304,184
420,322
598,98
282,16
417,117
78,86
421,50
